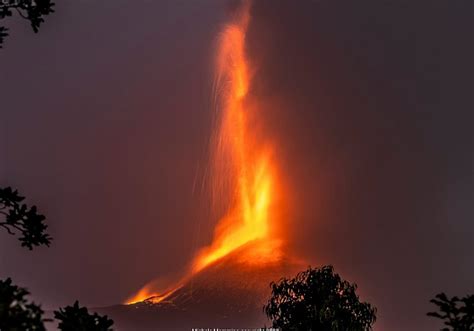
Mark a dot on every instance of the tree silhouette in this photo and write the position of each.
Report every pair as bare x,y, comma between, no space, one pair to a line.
16,313
20,219
31,10
457,313
76,318
318,299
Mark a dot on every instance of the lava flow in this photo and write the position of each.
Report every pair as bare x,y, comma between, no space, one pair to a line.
242,168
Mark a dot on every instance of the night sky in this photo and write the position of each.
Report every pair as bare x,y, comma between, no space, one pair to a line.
106,117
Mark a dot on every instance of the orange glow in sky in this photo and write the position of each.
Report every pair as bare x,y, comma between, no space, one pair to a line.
241,163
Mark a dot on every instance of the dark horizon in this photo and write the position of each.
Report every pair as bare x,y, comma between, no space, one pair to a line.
106,118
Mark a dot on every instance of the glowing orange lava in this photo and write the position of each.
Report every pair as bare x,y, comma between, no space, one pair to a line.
241,165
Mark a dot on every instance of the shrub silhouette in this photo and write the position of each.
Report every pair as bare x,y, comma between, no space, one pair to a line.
23,220
16,312
457,313
318,299
31,10
76,318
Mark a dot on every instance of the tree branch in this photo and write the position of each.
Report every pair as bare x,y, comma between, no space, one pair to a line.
20,13
5,226
14,4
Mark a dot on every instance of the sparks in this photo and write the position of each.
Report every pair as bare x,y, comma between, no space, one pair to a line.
241,162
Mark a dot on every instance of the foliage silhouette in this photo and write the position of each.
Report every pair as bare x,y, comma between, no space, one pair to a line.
457,313
31,10
76,318
20,219
16,313
318,299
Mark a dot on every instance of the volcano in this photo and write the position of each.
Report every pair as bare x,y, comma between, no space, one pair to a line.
227,281
229,293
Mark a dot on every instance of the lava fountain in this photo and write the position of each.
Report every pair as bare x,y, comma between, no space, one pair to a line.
242,167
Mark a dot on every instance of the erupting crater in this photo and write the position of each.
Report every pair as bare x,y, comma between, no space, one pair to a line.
229,293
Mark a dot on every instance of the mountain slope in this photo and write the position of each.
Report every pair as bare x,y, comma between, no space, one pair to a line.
228,294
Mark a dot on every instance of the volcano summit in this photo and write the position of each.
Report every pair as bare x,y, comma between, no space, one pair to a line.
229,293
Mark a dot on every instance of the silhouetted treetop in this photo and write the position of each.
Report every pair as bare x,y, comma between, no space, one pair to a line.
16,313
76,318
31,10
318,299
457,313
19,219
